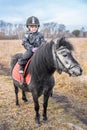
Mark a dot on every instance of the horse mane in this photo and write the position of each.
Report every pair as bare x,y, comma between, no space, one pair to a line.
63,42
42,64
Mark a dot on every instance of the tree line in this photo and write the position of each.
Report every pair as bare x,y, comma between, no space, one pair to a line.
49,30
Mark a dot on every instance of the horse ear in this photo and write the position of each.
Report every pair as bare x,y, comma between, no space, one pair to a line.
61,41
52,42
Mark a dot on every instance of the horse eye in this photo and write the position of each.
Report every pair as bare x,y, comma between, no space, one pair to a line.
66,62
65,55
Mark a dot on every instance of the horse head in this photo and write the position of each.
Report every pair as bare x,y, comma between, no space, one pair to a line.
64,60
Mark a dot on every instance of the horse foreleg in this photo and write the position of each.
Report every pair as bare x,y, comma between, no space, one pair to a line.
36,107
45,104
16,93
24,96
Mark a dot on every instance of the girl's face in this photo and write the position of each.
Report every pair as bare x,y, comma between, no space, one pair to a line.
33,28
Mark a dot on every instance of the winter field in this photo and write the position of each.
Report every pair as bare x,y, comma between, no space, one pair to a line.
67,109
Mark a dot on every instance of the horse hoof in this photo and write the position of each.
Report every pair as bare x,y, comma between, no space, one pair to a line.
38,124
17,105
45,119
25,100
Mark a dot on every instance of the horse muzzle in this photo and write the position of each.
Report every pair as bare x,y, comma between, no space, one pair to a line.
75,71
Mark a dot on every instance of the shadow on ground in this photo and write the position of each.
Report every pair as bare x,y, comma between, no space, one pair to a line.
73,107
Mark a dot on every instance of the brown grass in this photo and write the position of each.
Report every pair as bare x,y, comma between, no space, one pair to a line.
67,109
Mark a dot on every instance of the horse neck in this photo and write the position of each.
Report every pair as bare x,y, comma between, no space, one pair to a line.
42,63
47,57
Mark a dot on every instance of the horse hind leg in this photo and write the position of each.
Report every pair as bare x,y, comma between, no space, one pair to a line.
16,93
24,96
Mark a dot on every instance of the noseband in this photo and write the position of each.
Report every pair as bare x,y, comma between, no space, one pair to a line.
58,61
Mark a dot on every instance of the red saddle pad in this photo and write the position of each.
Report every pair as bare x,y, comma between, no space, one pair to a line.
18,77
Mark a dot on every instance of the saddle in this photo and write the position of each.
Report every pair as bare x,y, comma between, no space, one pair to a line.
21,78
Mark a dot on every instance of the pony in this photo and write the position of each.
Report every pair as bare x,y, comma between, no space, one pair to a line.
49,58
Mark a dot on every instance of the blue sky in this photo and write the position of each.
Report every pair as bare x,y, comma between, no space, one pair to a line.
71,13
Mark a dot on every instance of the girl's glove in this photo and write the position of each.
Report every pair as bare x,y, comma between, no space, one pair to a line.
34,49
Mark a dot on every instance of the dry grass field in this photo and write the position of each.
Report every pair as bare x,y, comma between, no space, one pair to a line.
67,109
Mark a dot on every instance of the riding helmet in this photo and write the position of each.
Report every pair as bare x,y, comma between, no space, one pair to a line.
32,21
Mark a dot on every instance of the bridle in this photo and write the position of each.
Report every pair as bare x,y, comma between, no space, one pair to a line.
58,61
55,59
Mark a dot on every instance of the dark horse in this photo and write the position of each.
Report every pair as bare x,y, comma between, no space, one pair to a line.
45,61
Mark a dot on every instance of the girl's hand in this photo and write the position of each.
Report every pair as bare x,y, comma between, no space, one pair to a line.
34,49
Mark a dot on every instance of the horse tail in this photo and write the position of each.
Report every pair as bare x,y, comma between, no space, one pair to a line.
14,60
